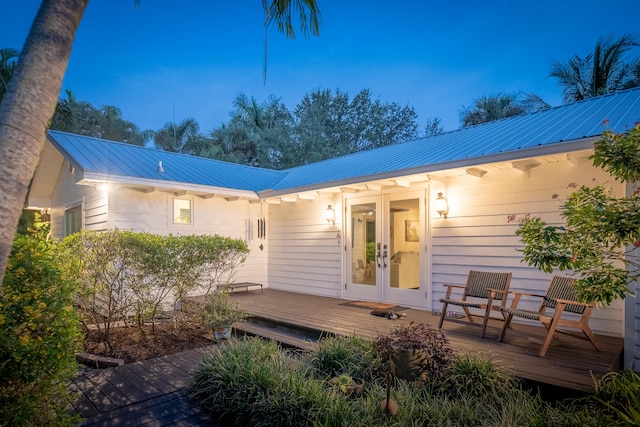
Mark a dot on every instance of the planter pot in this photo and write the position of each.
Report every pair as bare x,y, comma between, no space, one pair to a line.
407,364
222,332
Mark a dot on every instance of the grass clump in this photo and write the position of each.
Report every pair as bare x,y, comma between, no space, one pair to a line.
253,382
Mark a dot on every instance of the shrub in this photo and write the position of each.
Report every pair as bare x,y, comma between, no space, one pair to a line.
253,382
616,397
336,355
477,376
124,274
418,336
39,334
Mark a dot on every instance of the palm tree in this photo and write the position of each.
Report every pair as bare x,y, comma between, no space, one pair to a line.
31,96
605,70
176,137
489,108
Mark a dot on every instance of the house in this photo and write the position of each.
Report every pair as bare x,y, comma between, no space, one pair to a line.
390,224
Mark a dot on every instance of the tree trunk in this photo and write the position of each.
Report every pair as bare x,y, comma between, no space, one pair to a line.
28,105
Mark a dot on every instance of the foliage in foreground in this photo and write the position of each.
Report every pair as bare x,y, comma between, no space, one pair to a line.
602,232
39,334
253,382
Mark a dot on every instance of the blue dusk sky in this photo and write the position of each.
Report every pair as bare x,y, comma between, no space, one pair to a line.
179,59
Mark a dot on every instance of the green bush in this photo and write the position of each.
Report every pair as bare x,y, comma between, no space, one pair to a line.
39,334
337,355
125,274
255,383
476,375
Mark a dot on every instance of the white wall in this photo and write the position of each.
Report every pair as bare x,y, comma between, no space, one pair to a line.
480,234
68,194
305,253
152,212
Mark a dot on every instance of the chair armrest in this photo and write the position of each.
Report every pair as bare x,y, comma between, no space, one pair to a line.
453,286
496,291
571,302
450,287
527,294
517,295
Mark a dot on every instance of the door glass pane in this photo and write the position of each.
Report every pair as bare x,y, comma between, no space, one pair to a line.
363,241
404,243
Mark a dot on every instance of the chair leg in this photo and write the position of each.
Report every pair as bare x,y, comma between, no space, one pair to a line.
443,314
485,320
550,335
594,341
507,322
468,313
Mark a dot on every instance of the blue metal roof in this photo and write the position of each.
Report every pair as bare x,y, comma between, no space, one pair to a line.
477,144
126,160
506,139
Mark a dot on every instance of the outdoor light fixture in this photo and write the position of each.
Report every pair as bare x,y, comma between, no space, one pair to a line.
441,206
330,215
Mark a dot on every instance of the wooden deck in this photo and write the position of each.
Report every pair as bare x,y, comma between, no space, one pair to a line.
569,363
150,392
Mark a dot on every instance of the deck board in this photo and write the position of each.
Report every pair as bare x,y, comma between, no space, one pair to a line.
570,361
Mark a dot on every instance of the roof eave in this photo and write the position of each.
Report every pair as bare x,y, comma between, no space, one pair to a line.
543,150
92,178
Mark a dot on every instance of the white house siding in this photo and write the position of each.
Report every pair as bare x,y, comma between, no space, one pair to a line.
68,194
479,233
305,252
152,212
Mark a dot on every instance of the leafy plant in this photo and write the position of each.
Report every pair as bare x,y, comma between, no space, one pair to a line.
418,336
335,355
478,376
39,334
601,233
218,310
124,274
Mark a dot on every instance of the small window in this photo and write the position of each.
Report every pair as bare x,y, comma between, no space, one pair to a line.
181,211
73,220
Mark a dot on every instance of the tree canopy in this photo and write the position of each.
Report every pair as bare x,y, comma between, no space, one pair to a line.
601,235
607,69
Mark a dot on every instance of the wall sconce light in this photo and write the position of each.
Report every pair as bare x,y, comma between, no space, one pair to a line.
441,206
330,215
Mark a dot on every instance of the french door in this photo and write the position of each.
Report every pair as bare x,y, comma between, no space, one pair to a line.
385,236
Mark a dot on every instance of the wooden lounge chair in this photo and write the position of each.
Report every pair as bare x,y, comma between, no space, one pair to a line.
561,298
480,292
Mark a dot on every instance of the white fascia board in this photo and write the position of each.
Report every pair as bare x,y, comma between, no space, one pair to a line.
38,203
545,150
90,178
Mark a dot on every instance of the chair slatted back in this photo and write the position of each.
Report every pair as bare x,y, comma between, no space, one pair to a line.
479,281
562,288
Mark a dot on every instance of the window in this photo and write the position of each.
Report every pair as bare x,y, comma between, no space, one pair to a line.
72,220
181,211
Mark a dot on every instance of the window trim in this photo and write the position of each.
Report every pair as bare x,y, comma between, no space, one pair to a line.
173,211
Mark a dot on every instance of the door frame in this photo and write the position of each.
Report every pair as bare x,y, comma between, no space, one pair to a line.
419,298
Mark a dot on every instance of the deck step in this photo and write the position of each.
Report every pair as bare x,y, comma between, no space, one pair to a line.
284,334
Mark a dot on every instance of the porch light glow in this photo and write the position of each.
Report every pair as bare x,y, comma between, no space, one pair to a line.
441,206
330,215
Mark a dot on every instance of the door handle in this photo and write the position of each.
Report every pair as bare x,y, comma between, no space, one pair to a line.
384,259
378,258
